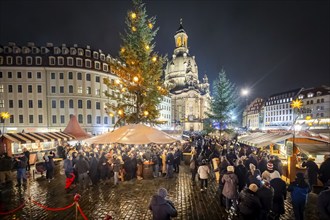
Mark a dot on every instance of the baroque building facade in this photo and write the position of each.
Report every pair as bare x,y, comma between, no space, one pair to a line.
252,115
190,97
41,87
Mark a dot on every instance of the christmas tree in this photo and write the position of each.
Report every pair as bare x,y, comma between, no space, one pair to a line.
224,99
139,88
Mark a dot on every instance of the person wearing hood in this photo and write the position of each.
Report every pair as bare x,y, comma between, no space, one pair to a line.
162,208
279,187
299,191
230,188
249,203
323,203
312,171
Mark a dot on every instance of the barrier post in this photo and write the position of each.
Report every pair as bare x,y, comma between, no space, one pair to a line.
29,194
76,210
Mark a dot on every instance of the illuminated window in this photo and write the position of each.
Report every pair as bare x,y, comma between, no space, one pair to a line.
1,88
80,52
80,90
88,90
178,42
2,103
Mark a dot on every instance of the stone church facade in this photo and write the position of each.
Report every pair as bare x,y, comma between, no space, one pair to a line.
190,97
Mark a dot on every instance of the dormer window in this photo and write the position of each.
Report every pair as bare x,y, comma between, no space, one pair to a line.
9,60
105,67
73,51
88,63
70,61
60,61
19,60
310,95
318,93
88,53
102,56
95,55
300,96
38,60
80,52
57,50
52,61
29,60
97,65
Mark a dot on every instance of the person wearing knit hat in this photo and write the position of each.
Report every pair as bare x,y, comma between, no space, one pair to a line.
160,207
249,203
230,169
270,166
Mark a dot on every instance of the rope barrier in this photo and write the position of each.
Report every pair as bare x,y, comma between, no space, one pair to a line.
81,212
14,210
52,209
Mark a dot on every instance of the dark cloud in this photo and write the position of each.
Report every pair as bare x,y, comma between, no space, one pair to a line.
270,46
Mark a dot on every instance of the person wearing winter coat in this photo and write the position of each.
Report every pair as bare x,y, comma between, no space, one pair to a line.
169,164
266,194
162,208
324,174
262,164
279,187
249,203
104,168
93,169
323,203
255,178
82,167
49,165
229,191
193,167
242,174
299,191
312,171
203,172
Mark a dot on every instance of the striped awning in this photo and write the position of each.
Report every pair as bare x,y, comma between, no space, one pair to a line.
34,137
264,139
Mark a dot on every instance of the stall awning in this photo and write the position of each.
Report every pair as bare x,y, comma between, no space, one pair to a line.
34,137
263,139
314,148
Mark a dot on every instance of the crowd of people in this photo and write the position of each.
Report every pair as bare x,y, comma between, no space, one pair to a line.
250,183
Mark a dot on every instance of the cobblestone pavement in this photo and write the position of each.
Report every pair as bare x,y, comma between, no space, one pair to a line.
128,200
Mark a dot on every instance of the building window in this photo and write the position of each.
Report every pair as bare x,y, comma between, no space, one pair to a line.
20,119
38,60
10,75
39,103
10,88
30,103
1,88
61,76
62,119
61,103
80,118
40,119
98,105
102,57
38,75
88,63
88,77
79,76
9,60
0,74
53,103
11,104
39,89
80,105
80,90
97,65
53,89
31,119
52,76
70,75
52,61
11,120
89,104
70,103
54,119
30,75
2,105
79,62
97,92
19,88
88,53
98,120
19,60
97,79
60,61
105,67
29,60
70,61
61,89
95,55
88,90
113,119
70,89
89,119
106,120
30,89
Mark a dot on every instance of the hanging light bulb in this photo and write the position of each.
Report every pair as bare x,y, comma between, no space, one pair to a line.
117,81
154,59
122,49
147,47
146,113
133,29
150,25
133,15
120,112
135,78
111,114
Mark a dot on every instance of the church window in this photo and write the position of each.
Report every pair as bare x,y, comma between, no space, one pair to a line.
178,42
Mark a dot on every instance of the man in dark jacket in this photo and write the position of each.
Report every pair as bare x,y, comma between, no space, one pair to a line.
162,209
82,167
312,170
249,203
279,187
21,161
169,164
265,194
323,203
6,166
324,174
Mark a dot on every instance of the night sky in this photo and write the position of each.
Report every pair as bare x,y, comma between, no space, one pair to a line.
267,46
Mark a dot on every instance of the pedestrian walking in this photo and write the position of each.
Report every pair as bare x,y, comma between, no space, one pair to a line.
312,171
6,166
299,191
323,203
169,164
82,167
249,203
115,169
265,194
20,163
242,174
162,208
324,174
27,155
230,188
68,170
193,166
49,165
203,172
279,187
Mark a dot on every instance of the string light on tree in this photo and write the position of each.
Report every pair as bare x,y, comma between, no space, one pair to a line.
135,79
154,59
133,15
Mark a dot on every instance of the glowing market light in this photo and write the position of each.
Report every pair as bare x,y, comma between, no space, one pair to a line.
146,113
154,59
135,79
296,104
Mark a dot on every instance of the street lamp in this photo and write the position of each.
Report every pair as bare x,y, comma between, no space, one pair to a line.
4,116
245,93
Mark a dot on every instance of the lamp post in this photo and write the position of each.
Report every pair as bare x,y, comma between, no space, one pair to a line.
4,116
245,93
